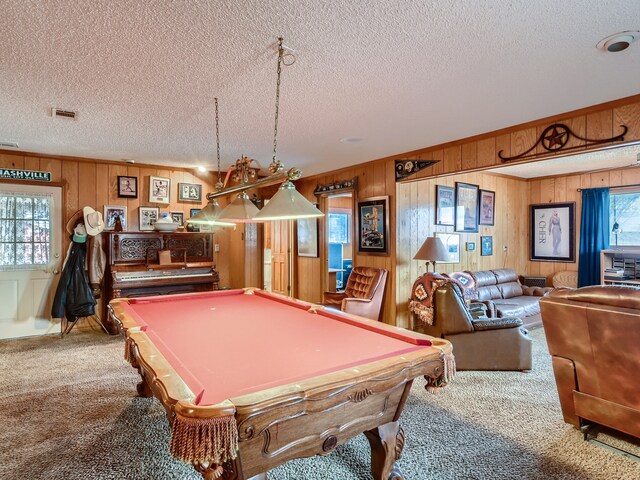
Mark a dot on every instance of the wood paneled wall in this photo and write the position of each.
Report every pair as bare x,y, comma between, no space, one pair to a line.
416,222
565,189
94,183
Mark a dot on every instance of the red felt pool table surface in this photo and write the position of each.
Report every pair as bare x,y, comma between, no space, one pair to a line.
227,344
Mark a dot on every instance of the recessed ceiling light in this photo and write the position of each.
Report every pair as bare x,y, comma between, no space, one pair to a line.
202,169
351,139
618,41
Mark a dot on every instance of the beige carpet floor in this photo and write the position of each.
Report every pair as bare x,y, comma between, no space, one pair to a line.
68,410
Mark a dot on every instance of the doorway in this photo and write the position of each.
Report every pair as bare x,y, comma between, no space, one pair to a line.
30,258
339,240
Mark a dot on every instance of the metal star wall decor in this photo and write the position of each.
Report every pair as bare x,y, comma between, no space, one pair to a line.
556,136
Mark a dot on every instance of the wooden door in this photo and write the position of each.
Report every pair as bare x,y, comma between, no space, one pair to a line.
280,278
30,258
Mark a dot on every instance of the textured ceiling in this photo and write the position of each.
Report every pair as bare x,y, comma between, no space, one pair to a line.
400,75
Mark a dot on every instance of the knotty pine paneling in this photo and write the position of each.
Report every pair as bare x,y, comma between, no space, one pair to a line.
416,221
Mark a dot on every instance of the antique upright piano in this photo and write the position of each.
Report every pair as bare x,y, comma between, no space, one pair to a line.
134,267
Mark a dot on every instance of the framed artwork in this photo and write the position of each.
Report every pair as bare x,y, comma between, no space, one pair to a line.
111,213
452,244
487,207
486,246
466,207
552,231
193,212
190,192
148,217
445,205
177,217
373,225
307,237
471,246
127,187
159,189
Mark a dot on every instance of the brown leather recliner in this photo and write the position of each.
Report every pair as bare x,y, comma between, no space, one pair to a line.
593,335
478,343
364,294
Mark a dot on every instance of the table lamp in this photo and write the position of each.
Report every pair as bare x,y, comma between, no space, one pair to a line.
432,250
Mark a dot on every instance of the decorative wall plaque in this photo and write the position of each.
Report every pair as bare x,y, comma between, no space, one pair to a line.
25,175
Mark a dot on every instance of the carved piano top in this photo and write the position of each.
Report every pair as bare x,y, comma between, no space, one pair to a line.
131,248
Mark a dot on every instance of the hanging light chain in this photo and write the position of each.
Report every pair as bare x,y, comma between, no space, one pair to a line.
277,166
219,185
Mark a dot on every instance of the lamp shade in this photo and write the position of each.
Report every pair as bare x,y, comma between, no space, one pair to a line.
241,210
432,250
287,204
210,215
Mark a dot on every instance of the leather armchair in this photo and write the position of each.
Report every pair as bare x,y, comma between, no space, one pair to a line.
593,335
364,294
480,343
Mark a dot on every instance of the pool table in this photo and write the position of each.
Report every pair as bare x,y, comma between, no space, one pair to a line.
251,379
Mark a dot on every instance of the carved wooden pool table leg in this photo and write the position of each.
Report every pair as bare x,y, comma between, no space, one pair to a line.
227,471
387,442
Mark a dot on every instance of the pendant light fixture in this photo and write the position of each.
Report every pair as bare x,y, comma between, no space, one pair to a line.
287,203
210,214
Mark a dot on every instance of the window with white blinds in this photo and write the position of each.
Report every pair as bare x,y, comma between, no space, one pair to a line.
25,230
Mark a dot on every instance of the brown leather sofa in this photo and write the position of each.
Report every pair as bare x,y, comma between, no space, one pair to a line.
593,335
478,343
505,296
364,294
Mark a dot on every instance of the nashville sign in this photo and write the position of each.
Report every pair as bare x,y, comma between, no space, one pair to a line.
25,175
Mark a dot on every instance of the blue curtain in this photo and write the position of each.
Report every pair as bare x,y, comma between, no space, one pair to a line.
594,234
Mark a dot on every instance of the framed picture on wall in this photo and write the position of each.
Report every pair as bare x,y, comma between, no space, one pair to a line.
373,225
112,213
466,207
127,187
148,217
552,232
445,205
487,207
307,237
159,189
190,192
486,246
177,217
451,242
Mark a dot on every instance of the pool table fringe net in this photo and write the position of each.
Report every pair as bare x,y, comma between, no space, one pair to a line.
210,442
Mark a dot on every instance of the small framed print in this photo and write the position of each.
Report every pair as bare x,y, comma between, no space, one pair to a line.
307,237
466,207
445,205
373,225
190,192
112,213
486,246
148,218
452,244
127,187
159,188
471,246
177,217
487,207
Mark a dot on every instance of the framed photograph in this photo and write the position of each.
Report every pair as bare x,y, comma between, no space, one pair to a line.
486,246
552,231
466,207
445,205
148,217
487,207
373,225
452,243
190,192
471,246
159,189
177,217
193,212
127,187
113,212
307,237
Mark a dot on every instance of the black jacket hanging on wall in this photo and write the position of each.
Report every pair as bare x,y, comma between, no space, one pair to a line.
73,296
